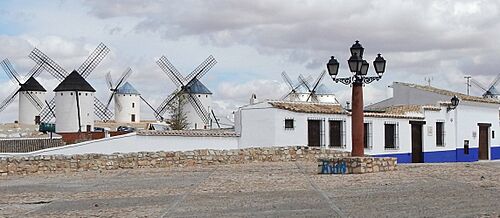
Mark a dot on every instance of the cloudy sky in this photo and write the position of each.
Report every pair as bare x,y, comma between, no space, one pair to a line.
254,41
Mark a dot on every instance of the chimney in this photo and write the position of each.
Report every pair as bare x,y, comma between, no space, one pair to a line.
253,99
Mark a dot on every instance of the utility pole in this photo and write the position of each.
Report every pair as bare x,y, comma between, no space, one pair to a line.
467,83
428,80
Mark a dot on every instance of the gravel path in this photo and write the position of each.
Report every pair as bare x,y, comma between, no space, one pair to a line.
258,190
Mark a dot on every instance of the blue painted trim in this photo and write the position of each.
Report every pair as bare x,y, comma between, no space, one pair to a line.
402,157
471,157
444,156
440,156
495,153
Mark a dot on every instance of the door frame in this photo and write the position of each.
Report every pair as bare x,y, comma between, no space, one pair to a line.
417,124
488,141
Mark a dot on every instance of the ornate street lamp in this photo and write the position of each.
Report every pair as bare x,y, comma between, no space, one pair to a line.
359,68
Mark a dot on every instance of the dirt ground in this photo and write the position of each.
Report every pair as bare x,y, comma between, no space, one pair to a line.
291,189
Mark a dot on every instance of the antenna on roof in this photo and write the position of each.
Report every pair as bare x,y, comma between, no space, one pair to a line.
467,83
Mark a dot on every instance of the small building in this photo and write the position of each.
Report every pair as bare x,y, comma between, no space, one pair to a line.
74,111
28,113
403,126
127,104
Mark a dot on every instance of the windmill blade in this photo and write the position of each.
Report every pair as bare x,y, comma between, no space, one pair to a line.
123,77
198,107
8,100
93,60
495,81
163,106
216,120
47,113
118,105
318,81
202,69
479,85
101,111
35,101
35,71
10,71
284,97
48,64
110,99
157,115
109,81
171,72
287,80
309,96
301,78
304,82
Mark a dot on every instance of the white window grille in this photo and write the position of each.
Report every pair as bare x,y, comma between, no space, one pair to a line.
342,132
392,137
368,137
440,133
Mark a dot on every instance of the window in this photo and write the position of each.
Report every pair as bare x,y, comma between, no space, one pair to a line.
289,124
133,104
368,135
439,133
391,135
337,133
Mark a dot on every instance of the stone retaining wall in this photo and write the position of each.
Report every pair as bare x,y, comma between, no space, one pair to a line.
356,165
87,162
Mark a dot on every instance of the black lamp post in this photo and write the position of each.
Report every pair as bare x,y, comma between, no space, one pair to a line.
359,68
454,103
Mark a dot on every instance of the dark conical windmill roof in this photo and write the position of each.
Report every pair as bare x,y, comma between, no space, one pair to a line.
196,87
32,85
74,82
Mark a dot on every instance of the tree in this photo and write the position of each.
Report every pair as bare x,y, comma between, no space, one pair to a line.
178,117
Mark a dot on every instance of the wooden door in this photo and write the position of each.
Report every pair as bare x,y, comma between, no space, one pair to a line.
335,133
416,143
483,142
132,119
313,132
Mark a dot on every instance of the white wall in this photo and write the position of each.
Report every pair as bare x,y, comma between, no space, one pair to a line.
256,125
124,113
469,115
27,111
136,143
67,113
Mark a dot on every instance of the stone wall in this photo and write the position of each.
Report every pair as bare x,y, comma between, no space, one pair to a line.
87,162
356,165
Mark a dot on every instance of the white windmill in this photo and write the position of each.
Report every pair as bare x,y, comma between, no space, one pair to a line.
30,93
297,90
317,92
199,113
488,91
74,102
127,99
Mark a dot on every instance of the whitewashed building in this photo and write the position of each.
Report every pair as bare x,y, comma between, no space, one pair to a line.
416,125
74,111
127,104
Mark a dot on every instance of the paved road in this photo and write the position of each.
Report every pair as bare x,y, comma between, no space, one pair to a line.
258,190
